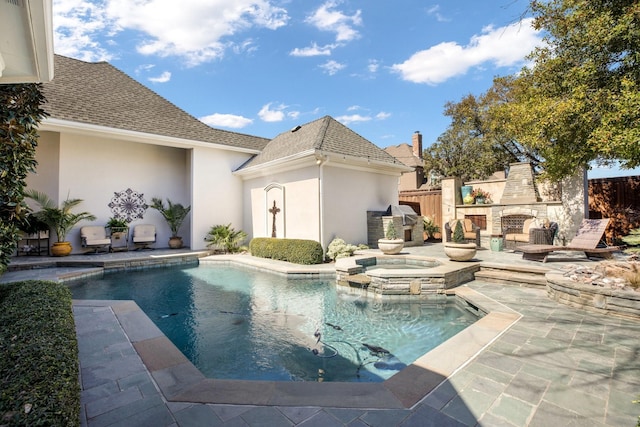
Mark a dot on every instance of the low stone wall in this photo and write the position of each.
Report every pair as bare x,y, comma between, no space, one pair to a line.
595,298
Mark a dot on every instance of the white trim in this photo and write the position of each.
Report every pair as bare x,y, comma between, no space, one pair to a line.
57,125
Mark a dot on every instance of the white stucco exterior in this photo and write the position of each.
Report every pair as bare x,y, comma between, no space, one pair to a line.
92,167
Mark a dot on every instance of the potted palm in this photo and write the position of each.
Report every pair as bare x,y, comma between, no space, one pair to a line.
457,249
391,244
174,214
59,218
119,232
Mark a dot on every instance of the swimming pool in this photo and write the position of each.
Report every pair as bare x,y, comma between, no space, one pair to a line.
235,323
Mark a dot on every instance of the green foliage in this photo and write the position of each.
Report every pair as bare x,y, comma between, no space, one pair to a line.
20,114
580,101
430,227
117,223
61,219
390,233
297,251
225,237
633,238
458,233
338,248
475,144
173,213
38,355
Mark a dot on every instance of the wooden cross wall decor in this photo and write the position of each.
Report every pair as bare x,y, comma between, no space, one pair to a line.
274,210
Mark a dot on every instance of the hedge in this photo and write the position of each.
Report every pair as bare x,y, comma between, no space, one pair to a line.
297,251
38,356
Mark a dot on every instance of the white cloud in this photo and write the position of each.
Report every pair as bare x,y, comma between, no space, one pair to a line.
504,46
162,78
77,24
275,114
196,30
313,50
325,18
226,120
435,11
382,115
373,66
354,108
353,118
331,67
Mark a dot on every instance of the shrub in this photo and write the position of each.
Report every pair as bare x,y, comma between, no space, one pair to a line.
458,233
390,233
225,237
430,227
338,248
297,251
38,355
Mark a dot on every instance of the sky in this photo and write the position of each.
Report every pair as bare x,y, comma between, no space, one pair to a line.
383,68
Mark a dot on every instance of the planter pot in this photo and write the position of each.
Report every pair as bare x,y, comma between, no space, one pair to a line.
460,251
465,191
61,249
175,242
480,200
390,247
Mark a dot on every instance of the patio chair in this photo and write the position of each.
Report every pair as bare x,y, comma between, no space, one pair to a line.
95,237
471,231
588,239
144,235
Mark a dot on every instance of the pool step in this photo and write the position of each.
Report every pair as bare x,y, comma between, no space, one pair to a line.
513,275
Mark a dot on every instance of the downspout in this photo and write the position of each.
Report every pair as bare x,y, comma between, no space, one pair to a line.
320,161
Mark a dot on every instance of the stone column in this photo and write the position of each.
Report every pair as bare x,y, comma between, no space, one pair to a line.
450,198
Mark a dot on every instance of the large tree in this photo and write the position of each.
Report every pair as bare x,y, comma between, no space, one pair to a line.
20,114
580,100
478,141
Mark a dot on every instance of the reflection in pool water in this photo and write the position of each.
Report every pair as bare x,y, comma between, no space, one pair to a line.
242,324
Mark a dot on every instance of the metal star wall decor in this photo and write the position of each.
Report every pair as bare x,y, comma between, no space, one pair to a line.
128,205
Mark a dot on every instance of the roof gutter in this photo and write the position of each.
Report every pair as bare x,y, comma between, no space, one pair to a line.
57,125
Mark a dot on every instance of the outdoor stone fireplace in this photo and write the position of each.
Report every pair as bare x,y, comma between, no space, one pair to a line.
518,194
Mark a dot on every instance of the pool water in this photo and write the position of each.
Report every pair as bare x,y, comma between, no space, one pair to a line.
234,323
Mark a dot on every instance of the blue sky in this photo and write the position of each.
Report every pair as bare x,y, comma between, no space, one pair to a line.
384,68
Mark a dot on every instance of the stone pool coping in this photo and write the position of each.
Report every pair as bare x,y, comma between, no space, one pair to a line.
180,381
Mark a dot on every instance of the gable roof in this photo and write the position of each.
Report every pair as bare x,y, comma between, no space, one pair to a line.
404,153
325,135
100,94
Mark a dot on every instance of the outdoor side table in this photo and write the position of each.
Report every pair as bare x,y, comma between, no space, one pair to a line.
541,236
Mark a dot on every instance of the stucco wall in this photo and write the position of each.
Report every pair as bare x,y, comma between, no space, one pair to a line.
216,197
93,168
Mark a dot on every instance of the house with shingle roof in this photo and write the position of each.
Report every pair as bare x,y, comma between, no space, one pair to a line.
115,144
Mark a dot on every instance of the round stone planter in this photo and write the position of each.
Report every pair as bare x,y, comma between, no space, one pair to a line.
460,251
390,246
175,242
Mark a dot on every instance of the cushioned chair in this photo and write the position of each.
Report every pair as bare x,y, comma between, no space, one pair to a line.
471,231
144,235
515,236
95,237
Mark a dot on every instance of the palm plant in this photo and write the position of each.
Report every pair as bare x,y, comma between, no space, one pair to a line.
59,218
173,213
226,237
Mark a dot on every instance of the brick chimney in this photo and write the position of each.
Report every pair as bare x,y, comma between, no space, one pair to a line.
416,141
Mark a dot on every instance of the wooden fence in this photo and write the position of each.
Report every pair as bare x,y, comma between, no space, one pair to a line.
425,203
617,199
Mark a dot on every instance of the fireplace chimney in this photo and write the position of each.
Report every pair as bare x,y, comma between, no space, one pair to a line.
417,144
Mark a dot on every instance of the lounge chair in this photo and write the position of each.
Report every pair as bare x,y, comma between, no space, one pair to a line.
144,235
471,231
588,240
95,237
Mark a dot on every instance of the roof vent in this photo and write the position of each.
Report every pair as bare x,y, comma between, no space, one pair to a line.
297,128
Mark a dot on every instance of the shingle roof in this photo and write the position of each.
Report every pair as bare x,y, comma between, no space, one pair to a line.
326,135
404,153
100,94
